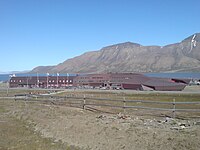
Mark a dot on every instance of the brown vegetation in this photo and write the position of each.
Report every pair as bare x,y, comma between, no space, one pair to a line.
49,126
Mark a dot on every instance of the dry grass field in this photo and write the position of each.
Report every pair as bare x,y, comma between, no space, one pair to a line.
42,125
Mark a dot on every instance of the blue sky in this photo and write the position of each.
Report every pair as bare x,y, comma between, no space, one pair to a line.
47,32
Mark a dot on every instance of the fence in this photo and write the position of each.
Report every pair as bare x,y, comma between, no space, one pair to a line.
87,102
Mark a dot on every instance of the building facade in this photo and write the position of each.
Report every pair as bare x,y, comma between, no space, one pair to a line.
42,81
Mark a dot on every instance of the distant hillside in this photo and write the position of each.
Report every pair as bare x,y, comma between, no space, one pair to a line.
132,57
15,72
42,69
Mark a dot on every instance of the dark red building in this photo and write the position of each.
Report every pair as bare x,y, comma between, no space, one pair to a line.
132,81
42,81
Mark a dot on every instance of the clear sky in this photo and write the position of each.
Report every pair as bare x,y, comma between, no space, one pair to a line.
47,32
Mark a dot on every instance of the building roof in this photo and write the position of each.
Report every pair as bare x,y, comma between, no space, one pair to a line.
161,82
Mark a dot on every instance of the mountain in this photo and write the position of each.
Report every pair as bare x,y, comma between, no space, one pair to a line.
1,72
132,57
15,72
43,69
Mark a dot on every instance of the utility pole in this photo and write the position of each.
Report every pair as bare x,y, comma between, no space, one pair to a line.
47,80
67,79
7,88
8,82
27,81
57,79
37,80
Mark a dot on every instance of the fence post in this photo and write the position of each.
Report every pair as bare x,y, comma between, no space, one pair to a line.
124,101
26,97
174,108
84,102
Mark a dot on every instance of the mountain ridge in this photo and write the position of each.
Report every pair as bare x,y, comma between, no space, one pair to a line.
133,57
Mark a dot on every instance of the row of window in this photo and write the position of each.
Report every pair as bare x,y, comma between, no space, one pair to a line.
84,77
16,81
63,81
101,81
87,81
97,77
123,77
91,77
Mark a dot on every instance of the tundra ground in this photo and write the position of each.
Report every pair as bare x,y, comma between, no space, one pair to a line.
35,125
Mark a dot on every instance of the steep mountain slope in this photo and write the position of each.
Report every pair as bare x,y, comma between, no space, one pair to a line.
132,57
